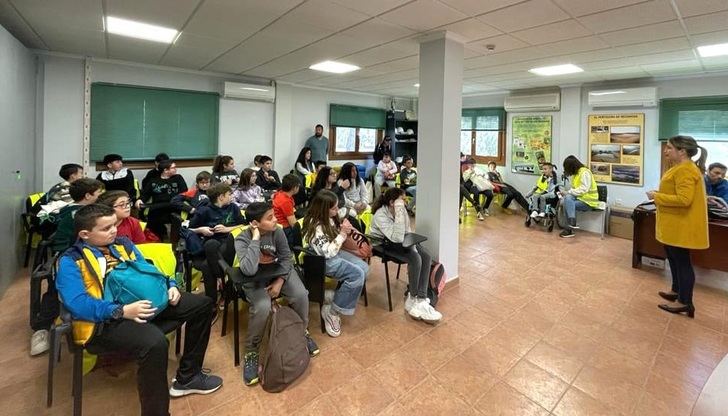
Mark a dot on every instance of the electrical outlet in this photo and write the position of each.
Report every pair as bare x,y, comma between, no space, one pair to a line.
649,261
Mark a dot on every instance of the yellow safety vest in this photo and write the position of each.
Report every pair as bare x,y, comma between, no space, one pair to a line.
590,197
543,184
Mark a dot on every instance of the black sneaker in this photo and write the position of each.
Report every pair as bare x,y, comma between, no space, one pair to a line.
202,383
567,233
250,369
313,349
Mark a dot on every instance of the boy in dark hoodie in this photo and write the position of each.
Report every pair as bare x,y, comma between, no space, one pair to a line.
117,177
267,266
213,222
158,195
190,200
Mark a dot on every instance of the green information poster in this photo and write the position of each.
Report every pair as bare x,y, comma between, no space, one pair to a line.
531,143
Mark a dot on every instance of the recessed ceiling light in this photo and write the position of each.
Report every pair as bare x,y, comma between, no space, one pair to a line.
417,85
335,67
140,30
607,92
556,70
713,50
253,89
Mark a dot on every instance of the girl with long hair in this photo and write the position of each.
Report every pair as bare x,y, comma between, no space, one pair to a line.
355,192
223,170
248,191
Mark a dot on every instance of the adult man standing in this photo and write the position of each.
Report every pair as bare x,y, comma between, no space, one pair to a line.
715,182
319,145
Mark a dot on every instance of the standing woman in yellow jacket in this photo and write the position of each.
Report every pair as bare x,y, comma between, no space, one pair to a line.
682,219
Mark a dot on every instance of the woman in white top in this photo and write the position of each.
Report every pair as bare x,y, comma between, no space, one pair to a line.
355,192
386,171
304,164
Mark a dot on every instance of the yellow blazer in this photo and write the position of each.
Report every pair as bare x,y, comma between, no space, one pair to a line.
682,208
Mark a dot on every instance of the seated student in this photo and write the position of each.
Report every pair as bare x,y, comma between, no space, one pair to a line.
509,191
70,172
303,168
408,179
715,183
267,266
117,177
190,200
126,225
223,171
386,170
582,194
355,191
158,196
154,172
213,222
391,222
476,182
544,193
256,163
327,179
84,191
267,178
284,206
465,192
248,191
104,326
323,232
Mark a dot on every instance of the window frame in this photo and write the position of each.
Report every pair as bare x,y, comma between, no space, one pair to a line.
356,154
500,159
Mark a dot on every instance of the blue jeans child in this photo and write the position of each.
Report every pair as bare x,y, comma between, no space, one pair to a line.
352,271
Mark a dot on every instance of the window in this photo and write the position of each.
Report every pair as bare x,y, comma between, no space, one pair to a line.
703,118
483,134
355,131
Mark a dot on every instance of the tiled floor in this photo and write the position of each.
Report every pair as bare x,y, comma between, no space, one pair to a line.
531,329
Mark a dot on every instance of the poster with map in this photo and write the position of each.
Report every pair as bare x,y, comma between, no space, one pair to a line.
531,143
616,143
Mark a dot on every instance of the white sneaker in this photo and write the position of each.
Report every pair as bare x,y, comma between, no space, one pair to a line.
541,214
409,303
332,323
534,214
39,342
480,216
329,296
485,212
423,311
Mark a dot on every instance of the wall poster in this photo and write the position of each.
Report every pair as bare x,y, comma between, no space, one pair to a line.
531,143
616,143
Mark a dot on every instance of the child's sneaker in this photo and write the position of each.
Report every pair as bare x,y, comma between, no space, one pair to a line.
329,296
250,368
541,214
409,303
423,311
313,349
39,342
534,214
567,233
202,383
480,216
332,323
485,212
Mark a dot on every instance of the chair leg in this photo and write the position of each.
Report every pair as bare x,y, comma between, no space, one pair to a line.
321,318
51,366
225,303
236,331
364,293
28,247
77,382
399,267
389,293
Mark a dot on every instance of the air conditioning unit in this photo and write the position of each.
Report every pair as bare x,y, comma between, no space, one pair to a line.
624,97
537,102
253,92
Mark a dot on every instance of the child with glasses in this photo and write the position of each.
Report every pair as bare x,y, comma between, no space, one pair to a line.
126,225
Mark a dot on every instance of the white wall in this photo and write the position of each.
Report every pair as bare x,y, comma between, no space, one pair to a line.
17,138
246,127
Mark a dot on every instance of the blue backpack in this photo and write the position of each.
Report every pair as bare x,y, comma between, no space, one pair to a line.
131,281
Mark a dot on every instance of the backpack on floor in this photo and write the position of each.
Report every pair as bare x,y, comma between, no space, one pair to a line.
438,277
286,356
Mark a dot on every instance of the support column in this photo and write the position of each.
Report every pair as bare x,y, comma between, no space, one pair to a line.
438,149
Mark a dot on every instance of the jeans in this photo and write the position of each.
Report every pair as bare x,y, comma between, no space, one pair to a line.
571,205
150,347
209,266
418,270
260,303
540,201
683,275
352,271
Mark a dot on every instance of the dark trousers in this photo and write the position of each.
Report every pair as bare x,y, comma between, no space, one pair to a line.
157,221
419,263
150,347
683,275
512,193
209,265
468,188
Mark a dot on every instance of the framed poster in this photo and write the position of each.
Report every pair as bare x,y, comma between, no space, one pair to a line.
616,143
531,143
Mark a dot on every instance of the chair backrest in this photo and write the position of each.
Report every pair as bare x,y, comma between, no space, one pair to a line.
602,191
161,255
31,200
366,218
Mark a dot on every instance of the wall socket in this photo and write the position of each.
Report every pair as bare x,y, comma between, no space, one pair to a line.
649,261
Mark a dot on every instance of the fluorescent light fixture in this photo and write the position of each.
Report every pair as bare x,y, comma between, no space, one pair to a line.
253,89
333,66
607,92
417,85
713,50
140,30
556,70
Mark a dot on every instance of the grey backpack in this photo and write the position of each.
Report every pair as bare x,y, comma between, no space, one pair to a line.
286,356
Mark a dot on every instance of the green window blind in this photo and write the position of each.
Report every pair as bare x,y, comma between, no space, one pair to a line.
139,122
483,119
351,116
704,118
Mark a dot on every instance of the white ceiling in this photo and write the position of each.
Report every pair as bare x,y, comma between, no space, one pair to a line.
279,39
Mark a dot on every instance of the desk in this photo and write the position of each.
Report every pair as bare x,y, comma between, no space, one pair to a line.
645,244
